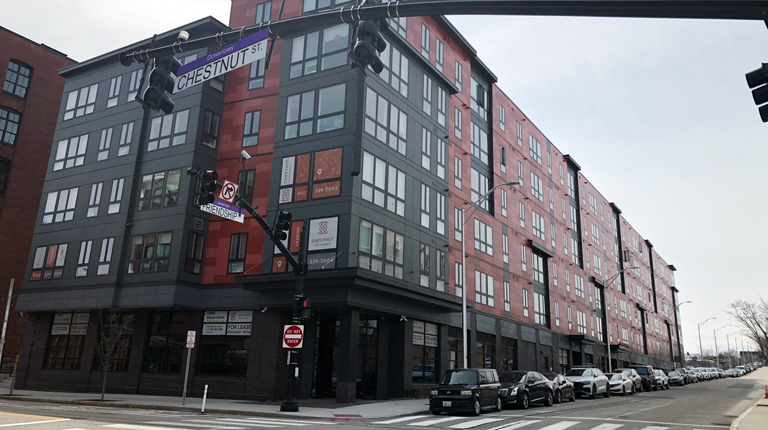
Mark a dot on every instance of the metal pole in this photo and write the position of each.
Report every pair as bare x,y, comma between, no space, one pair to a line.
186,377
717,356
610,367
205,396
701,350
290,404
464,287
5,320
728,349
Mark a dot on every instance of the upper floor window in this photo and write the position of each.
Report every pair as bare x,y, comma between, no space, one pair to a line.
380,250
519,134
425,41
312,5
245,182
17,78
70,152
484,288
459,78
211,129
60,206
378,113
592,204
238,244
534,148
134,83
301,112
483,237
332,47
9,125
457,172
168,130
536,186
383,185
424,265
159,190
150,253
396,67
81,102
479,99
256,75
400,25
426,104
442,106
502,125
479,188
126,137
114,91
251,128
5,168
95,199
538,267
479,143
104,143
263,12
194,256
457,122
439,60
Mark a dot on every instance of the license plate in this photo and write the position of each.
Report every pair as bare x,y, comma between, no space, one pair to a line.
446,404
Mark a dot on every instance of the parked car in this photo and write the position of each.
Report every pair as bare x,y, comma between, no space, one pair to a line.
662,381
646,373
686,374
619,383
732,373
589,381
466,390
637,381
676,378
703,375
721,372
521,388
742,369
564,389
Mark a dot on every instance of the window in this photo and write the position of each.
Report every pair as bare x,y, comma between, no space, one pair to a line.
256,75
211,129
458,224
502,126
457,166
562,205
165,343
426,148
83,258
5,168
479,98
159,190
623,308
567,279
561,175
522,215
70,152
116,196
126,137
17,78
505,247
592,204
150,253
571,185
60,206
504,203
525,302
579,286
9,125
483,237
440,206
312,5
383,185
395,69
534,148
536,187
507,305
484,288
64,348
332,46
552,236
457,122
551,199
479,144
540,309
425,344
441,274
378,113
519,134
581,322
570,319
426,102
459,77
439,63
574,219
554,273
380,250
300,111
575,253
479,188
245,181
425,191
557,314
458,279
424,265
94,199
114,91
125,324
538,267
521,173
49,262
442,155
251,128
538,225
595,234
134,82
168,129
263,12
425,41
400,25
238,244
523,258
104,142
81,102
565,243
442,106
194,254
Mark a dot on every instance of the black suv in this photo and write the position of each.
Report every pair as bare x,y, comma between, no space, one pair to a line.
649,379
466,390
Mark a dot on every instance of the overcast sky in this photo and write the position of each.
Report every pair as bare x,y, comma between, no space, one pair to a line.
656,112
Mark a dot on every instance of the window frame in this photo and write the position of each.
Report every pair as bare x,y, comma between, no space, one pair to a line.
11,87
238,252
10,120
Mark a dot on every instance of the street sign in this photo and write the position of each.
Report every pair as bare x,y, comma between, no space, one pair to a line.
293,336
244,51
224,210
191,339
228,191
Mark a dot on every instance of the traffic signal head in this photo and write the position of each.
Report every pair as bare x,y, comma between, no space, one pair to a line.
208,186
282,225
759,78
305,309
368,44
161,80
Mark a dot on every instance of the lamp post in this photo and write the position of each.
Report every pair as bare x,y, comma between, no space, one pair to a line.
717,355
679,330
607,284
464,264
701,351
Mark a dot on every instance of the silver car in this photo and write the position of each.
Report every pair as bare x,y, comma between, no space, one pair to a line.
620,384
662,380
589,381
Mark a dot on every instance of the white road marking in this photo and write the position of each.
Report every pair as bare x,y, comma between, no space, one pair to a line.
562,425
435,421
655,428
518,425
608,426
643,410
187,424
138,427
700,426
33,422
400,420
475,423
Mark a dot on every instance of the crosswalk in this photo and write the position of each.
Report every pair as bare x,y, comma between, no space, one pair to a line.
214,423
519,423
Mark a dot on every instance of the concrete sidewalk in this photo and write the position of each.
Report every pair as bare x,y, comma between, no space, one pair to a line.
309,408
756,416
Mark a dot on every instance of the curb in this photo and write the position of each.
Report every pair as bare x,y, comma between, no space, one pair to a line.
737,421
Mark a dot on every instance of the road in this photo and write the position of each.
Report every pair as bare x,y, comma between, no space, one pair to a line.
705,406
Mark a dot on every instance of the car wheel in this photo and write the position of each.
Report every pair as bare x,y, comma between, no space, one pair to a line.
667,385
476,410
558,397
498,404
655,388
623,391
435,412
523,403
607,391
573,396
548,401
640,390
593,394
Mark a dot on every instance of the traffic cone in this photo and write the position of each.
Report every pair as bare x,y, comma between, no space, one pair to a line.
766,392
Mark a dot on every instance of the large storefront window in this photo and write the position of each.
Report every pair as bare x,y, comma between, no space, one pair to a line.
455,348
565,362
116,329
424,352
224,343
507,353
167,338
485,349
65,344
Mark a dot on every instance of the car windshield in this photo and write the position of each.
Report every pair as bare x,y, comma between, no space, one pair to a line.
575,372
513,377
642,370
459,377
674,373
614,376
627,372
657,372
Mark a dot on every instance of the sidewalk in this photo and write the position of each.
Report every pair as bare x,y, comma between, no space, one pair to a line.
756,417
308,408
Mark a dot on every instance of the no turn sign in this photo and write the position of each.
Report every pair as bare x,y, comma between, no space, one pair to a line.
227,192
293,336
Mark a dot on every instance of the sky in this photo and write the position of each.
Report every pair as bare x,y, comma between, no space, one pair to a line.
657,113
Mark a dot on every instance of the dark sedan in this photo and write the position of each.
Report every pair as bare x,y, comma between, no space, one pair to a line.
564,389
521,388
676,378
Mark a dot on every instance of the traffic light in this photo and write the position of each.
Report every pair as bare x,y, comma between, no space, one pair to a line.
759,78
207,188
305,309
281,226
160,83
368,43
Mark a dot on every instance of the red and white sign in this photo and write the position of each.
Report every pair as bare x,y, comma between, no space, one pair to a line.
227,193
191,339
293,336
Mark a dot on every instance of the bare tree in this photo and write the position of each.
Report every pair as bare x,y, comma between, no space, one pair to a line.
753,318
112,340
504,353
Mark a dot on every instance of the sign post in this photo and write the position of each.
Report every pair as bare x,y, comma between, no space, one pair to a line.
190,345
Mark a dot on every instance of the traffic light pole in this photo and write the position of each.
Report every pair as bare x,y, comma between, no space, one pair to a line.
292,382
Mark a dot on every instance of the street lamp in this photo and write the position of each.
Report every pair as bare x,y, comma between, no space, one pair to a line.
717,355
473,205
607,284
701,351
